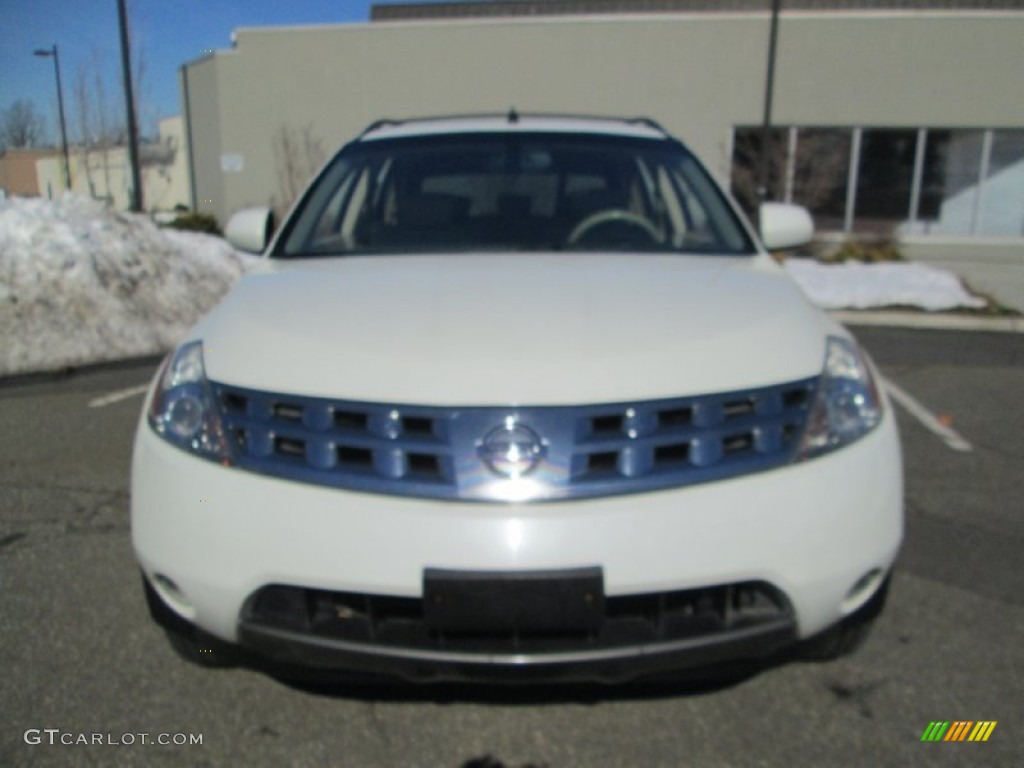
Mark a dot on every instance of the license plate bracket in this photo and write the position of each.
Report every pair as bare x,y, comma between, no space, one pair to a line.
495,602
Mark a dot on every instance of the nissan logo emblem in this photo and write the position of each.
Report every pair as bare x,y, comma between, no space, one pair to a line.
511,450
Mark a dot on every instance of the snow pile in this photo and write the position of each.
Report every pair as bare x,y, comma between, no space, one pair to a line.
854,285
82,284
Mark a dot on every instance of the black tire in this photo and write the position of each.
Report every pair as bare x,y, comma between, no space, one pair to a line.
191,644
849,634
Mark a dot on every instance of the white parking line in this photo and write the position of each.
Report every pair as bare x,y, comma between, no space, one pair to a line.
116,397
927,419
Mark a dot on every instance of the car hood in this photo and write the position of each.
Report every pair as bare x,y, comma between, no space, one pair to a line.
513,329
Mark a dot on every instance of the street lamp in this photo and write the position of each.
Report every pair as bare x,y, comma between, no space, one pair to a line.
129,103
769,90
60,106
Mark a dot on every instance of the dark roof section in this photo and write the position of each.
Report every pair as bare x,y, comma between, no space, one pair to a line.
461,9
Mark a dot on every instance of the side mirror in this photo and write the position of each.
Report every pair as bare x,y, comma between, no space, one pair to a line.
785,226
250,229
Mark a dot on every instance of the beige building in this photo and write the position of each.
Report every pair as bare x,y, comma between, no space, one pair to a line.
106,174
18,170
893,121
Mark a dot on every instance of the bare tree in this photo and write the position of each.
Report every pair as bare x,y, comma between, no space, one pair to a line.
86,129
21,126
298,154
817,169
105,134
96,134
746,167
820,166
139,67
100,120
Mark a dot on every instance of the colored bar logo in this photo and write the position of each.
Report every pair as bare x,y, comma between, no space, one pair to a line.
958,730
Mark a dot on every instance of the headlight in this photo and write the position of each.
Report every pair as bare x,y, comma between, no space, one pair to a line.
183,410
847,404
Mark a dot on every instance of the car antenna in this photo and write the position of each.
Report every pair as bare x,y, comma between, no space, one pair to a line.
513,116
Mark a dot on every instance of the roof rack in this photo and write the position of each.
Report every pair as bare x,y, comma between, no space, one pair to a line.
380,124
650,122
512,116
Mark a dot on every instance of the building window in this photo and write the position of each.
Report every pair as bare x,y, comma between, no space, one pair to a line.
950,183
746,166
1001,208
821,171
885,181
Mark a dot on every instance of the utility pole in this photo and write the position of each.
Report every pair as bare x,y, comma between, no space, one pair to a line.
52,52
129,101
769,89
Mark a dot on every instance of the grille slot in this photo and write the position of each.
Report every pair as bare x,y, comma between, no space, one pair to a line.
675,417
287,412
608,461
738,443
424,464
233,402
287,446
607,424
796,398
737,408
354,457
350,421
674,453
417,425
437,452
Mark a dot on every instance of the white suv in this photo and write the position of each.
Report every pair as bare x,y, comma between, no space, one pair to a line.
516,398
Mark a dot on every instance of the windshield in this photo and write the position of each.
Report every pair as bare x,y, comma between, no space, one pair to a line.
513,192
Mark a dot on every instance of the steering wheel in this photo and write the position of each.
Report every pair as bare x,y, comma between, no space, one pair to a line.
613,216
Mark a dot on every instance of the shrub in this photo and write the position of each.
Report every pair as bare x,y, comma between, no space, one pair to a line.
197,222
866,251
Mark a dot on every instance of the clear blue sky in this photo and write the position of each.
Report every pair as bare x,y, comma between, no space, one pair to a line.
168,32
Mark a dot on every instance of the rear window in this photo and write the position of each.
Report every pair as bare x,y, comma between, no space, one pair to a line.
513,192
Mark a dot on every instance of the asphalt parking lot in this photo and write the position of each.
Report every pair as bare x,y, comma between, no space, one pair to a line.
81,657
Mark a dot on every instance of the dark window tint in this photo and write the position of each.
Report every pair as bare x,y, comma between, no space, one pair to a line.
521,192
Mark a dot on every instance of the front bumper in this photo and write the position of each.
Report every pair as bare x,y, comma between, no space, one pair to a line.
810,530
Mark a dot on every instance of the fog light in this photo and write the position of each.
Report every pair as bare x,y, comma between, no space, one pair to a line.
172,595
861,591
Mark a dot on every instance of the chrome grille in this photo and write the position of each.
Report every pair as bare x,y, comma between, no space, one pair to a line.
593,450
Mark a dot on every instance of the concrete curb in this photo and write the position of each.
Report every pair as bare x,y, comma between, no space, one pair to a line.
933,322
